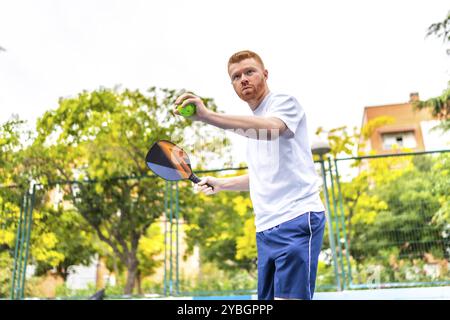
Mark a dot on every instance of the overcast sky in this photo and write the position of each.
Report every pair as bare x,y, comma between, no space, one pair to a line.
335,57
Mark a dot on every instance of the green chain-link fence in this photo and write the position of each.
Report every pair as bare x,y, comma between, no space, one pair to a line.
387,226
394,219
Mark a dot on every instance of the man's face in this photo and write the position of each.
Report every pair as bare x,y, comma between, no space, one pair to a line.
248,78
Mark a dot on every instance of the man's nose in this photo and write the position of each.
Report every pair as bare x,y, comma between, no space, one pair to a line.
244,79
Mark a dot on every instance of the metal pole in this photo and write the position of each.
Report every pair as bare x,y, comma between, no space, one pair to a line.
342,216
17,288
30,222
338,232
330,227
171,241
166,193
16,248
177,275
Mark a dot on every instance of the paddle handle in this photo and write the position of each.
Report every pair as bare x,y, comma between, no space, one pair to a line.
196,180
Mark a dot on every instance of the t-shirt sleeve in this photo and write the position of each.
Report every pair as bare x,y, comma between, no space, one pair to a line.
288,110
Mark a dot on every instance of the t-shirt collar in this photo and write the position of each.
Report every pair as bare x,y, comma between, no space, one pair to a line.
261,105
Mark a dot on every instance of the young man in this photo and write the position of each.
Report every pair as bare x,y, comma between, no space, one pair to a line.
283,184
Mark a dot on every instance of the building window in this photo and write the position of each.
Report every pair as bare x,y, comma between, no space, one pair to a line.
405,139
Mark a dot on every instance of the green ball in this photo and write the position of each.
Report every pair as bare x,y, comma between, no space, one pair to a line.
188,110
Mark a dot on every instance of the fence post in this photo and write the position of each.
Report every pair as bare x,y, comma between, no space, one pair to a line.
166,193
330,226
28,236
336,221
177,209
344,229
18,247
17,288
171,241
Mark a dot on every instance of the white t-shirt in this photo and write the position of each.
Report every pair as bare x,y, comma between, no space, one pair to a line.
283,180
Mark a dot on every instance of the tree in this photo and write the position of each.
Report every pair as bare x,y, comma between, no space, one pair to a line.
223,227
56,240
99,138
11,135
439,106
12,139
397,213
150,247
64,237
340,140
441,29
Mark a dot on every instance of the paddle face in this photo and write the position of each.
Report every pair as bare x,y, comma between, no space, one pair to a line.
169,161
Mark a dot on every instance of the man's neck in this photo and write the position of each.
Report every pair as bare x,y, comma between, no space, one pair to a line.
257,101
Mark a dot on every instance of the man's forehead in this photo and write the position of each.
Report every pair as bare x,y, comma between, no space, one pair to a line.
246,63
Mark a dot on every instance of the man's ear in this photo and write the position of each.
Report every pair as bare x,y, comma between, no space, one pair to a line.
266,74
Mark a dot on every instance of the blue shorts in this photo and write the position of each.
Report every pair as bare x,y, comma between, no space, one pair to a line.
287,257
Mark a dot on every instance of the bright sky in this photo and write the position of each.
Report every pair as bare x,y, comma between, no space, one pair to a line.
335,57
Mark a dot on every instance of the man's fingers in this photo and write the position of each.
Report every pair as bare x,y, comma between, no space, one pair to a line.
203,181
204,186
196,188
184,100
183,97
188,101
208,191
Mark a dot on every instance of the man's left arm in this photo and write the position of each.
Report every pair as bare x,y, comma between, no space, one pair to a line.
249,126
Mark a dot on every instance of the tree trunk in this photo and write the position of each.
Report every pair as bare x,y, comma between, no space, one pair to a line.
100,274
63,272
132,264
139,282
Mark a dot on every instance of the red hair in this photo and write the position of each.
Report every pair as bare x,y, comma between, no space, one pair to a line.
245,54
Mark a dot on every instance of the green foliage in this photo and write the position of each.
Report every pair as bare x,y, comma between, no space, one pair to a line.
439,108
370,127
63,291
325,276
212,278
441,186
246,243
397,217
12,139
341,141
11,136
101,138
151,245
6,264
441,29
61,238
223,227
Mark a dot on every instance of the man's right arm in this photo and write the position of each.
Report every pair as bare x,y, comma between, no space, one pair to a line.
239,183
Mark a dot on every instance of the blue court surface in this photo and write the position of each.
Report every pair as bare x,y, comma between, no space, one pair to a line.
427,293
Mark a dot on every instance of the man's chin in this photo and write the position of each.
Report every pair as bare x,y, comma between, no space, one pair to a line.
247,94
246,98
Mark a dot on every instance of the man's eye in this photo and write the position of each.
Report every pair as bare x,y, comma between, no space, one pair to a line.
249,72
236,77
